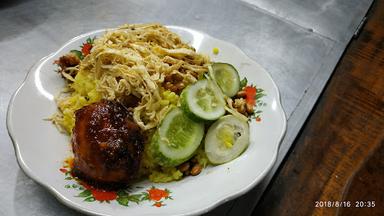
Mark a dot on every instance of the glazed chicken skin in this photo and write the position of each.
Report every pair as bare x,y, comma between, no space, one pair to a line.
107,145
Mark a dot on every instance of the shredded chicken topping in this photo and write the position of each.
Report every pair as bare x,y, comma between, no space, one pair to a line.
138,60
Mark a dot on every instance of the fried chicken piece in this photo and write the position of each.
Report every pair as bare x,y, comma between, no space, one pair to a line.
107,145
68,60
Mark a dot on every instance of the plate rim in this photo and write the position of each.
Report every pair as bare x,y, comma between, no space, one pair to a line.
67,202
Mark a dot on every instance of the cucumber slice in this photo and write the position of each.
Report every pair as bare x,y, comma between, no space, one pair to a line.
227,77
226,139
203,101
177,139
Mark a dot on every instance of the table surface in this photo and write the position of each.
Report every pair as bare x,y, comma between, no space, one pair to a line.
298,42
339,154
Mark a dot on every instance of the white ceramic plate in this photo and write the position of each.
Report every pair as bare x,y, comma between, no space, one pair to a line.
41,149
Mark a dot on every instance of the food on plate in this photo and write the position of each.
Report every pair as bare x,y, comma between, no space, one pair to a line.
141,103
